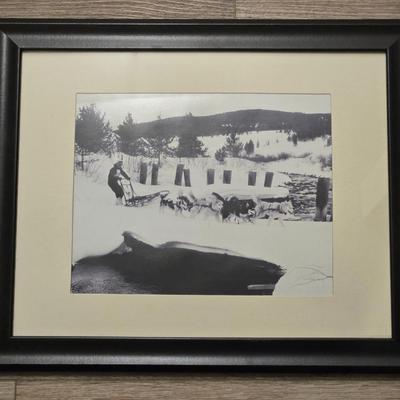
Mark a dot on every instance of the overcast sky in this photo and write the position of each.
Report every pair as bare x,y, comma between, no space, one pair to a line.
147,107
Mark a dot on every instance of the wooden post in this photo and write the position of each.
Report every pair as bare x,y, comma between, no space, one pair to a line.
210,176
269,176
154,174
178,174
251,181
227,177
322,197
143,173
186,175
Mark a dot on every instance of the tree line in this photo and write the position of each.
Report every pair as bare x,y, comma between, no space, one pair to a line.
93,134
307,126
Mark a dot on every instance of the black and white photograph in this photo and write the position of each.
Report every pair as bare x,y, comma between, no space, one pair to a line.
203,194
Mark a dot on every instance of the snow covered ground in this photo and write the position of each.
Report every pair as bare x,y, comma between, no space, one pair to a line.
307,157
198,175
269,143
304,249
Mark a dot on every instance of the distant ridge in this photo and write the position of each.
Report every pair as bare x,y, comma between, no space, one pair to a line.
307,126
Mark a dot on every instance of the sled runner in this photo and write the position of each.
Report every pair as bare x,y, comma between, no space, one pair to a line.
133,200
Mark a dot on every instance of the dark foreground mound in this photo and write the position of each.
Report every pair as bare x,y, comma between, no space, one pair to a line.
173,268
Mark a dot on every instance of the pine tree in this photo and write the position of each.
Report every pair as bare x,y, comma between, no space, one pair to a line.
111,143
249,147
189,145
251,144
233,147
129,142
160,143
90,131
220,154
294,138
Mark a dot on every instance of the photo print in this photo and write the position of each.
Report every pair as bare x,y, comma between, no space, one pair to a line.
203,194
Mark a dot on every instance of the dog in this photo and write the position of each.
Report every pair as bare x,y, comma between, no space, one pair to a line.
166,201
273,210
235,210
180,205
209,206
183,204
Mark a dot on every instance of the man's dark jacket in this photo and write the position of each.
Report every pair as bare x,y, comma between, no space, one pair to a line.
113,175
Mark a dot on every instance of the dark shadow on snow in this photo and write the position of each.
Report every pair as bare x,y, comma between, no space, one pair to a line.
173,268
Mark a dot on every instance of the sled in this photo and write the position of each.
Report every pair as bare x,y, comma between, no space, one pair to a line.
133,200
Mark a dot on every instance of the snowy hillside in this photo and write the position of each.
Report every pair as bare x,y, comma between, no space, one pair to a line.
311,157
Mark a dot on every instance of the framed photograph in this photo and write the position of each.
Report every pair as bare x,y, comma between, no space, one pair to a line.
199,194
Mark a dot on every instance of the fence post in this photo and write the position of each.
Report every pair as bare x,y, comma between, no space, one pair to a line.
268,179
251,181
178,174
227,177
186,175
321,200
154,174
143,173
210,176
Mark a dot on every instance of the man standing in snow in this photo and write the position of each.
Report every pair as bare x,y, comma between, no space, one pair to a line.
114,176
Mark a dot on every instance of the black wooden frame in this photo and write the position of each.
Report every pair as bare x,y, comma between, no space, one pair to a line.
17,36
